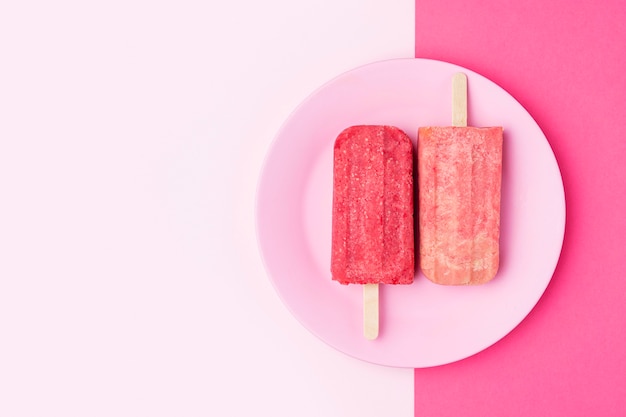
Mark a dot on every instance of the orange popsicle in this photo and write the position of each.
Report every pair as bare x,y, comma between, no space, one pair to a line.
459,182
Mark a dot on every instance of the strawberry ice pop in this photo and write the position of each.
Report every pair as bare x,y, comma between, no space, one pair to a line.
372,224
459,181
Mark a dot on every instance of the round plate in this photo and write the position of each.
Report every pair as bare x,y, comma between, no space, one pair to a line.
422,324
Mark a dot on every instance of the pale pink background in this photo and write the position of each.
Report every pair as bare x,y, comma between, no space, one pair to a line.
131,137
565,62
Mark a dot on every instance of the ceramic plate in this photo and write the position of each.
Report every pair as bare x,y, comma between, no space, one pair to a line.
422,324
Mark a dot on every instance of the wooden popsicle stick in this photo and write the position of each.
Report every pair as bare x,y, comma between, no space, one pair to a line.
459,99
370,311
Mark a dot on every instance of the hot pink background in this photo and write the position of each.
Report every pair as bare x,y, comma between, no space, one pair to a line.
565,62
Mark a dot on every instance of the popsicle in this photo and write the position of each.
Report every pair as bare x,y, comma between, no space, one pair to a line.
372,223
459,187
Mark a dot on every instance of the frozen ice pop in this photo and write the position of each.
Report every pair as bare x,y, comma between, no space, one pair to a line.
459,183
372,223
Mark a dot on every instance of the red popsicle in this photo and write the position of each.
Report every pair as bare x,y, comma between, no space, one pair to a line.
372,225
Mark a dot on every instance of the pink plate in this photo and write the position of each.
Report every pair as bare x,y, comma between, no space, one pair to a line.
422,324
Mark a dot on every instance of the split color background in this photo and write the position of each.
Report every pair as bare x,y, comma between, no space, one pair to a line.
131,138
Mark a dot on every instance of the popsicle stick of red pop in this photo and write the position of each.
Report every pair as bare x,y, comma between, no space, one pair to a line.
372,225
